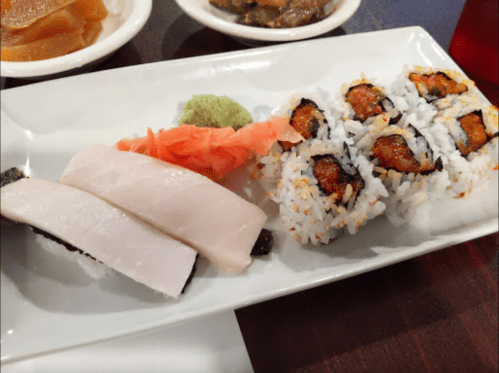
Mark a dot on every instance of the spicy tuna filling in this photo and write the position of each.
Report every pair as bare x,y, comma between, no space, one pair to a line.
305,120
437,85
393,152
365,100
333,179
474,127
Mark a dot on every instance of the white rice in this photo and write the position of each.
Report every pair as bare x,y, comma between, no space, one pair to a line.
311,215
92,267
410,194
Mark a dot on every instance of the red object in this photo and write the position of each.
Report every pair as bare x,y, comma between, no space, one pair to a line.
475,44
212,152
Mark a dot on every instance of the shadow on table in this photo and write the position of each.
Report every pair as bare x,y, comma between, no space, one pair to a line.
127,55
208,41
204,42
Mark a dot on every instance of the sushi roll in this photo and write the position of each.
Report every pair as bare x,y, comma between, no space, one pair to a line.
406,157
325,191
307,118
97,235
219,224
427,137
306,115
442,87
361,105
472,130
411,169
464,129
470,146
427,91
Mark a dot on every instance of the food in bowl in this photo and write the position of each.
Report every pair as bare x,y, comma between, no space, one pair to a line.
33,30
277,13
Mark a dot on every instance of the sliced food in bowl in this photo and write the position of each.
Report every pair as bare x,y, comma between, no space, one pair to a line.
34,30
277,13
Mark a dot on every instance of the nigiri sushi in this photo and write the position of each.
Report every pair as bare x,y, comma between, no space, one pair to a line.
220,225
99,229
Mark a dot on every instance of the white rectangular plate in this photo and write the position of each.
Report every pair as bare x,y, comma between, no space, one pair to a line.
49,305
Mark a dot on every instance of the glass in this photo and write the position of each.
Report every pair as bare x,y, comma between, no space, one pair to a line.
475,44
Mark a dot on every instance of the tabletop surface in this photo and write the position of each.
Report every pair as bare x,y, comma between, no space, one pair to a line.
434,313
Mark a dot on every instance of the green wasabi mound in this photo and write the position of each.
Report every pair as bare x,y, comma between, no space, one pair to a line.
215,111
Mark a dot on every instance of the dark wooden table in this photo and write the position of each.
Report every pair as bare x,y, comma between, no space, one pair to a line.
435,313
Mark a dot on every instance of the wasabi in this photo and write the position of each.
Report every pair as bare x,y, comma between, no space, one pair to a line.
215,111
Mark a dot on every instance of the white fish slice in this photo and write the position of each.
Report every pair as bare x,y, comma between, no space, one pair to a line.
222,226
107,233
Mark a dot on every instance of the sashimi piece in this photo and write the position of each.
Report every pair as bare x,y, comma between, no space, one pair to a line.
212,152
107,233
222,226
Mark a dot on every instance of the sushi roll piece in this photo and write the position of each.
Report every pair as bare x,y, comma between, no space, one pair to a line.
427,92
411,169
470,146
333,180
361,105
437,84
447,107
325,191
104,234
220,225
307,117
365,100
475,133
393,153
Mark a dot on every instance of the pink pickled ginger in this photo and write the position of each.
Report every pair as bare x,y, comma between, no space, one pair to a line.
212,152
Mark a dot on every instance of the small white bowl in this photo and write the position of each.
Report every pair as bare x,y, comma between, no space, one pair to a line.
126,18
224,21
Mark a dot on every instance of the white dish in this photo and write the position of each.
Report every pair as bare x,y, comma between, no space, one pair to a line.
49,305
125,19
224,21
213,344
